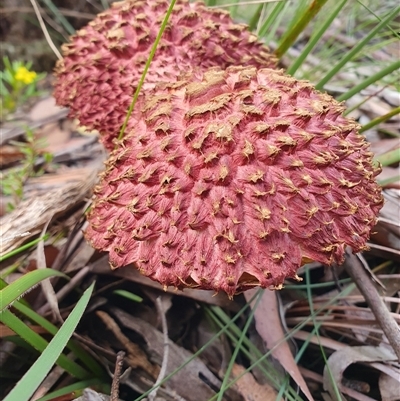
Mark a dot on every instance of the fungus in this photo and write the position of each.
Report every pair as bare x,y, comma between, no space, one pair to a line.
232,179
104,61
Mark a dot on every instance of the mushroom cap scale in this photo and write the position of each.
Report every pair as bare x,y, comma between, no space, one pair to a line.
104,61
232,179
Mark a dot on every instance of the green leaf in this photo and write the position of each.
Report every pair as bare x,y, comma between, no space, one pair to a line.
35,375
17,288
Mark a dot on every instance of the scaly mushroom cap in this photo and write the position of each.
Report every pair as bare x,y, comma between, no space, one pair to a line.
233,179
104,61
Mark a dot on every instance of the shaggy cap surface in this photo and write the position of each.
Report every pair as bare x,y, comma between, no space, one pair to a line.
104,61
233,179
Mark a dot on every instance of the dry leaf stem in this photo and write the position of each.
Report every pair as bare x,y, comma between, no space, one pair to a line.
364,283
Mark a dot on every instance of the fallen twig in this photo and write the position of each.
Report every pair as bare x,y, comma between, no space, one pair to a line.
365,285
114,396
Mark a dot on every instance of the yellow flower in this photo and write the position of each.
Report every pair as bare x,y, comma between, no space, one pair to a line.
24,75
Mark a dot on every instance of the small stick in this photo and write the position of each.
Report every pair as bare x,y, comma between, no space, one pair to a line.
114,396
388,325
163,370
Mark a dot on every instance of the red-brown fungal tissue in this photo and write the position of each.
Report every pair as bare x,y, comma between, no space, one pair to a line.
232,179
104,61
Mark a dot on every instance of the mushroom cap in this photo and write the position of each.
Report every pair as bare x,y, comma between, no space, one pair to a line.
104,61
233,179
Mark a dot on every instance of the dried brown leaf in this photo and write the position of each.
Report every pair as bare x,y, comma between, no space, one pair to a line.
192,379
340,360
248,387
389,387
269,326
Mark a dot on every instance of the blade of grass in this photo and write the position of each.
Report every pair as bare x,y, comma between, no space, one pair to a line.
249,350
104,4
301,22
377,17
78,351
298,327
238,347
380,119
61,19
388,181
256,17
40,344
356,49
338,395
146,68
370,96
35,375
197,353
128,295
76,389
22,248
388,158
315,38
369,81
276,23
19,287
265,27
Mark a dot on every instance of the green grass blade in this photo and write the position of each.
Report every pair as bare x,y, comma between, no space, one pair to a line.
40,344
377,17
146,68
61,19
23,248
380,119
35,375
389,158
78,351
76,389
316,325
266,26
19,287
389,181
238,347
315,38
356,49
301,22
256,17
128,295
369,81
